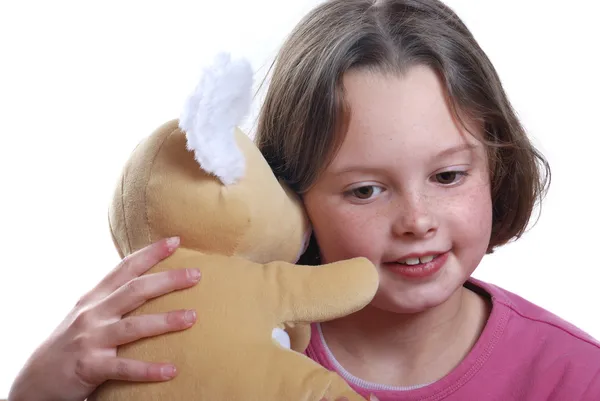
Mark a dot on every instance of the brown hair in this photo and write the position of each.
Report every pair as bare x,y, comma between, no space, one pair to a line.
300,127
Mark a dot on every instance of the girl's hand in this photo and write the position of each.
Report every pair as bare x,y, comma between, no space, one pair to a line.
81,353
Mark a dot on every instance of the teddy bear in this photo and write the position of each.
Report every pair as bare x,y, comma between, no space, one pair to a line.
200,177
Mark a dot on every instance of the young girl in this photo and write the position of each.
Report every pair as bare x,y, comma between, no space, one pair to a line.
392,124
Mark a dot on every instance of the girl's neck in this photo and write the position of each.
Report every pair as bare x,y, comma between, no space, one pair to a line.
408,350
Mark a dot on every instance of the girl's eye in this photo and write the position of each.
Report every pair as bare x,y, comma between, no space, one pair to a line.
365,192
449,177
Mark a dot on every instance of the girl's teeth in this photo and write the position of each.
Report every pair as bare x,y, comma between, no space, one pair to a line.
416,261
426,259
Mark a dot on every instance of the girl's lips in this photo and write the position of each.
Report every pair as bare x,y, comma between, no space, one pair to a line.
421,270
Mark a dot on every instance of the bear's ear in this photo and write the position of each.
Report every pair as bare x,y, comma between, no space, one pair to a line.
218,104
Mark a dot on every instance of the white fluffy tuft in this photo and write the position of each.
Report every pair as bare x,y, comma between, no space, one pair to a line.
217,105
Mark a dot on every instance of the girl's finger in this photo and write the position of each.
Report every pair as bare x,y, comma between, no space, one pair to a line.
136,264
141,289
98,370
134,328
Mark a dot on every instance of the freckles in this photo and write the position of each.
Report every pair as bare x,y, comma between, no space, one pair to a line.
351,218
479,209
479,202
470,207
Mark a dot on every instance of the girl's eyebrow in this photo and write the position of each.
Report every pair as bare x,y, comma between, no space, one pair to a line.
455,149
462,147
357,168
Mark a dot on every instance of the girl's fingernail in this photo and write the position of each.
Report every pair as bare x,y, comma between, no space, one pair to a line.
172,243
190,316
194,274
168,372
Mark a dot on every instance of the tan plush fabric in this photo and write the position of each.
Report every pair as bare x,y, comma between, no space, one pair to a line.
244,238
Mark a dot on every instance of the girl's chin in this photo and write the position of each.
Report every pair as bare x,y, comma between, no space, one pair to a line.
411,300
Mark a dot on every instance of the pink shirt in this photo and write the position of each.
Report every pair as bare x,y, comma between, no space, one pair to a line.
524,353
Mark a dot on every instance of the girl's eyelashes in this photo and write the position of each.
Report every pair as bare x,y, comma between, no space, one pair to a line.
367,192
448,178
364,192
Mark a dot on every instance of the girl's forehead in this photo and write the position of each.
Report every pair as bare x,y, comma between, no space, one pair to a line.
400,116
413,101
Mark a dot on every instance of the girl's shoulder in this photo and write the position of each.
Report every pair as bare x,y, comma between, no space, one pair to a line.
524,352
531,319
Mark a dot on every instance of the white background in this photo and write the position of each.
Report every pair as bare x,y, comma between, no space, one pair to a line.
82,82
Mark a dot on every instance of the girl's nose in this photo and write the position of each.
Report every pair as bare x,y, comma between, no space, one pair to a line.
415,218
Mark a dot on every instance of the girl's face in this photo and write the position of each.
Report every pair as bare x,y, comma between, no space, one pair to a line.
409,190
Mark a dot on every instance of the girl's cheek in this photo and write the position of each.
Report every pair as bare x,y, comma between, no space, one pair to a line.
475,213
343,236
